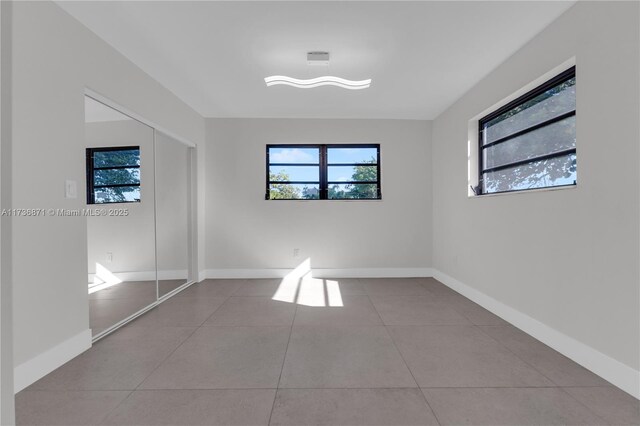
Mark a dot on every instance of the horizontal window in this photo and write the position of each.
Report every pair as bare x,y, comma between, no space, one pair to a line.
531,142
320,172
113,175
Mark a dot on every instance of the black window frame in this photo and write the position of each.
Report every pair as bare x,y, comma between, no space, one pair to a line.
558,79
323,183
91,187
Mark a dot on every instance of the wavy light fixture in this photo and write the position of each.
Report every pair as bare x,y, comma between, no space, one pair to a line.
317,82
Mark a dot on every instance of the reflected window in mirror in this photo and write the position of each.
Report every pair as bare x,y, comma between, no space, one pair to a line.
113,175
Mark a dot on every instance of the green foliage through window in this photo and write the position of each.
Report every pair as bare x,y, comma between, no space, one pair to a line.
113,175
311,172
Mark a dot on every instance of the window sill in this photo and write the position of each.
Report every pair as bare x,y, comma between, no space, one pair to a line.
524,191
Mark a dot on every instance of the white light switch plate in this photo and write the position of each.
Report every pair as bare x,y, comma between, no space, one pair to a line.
71,189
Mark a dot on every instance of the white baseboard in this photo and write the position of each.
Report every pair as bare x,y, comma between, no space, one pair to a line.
615,372
319,273
175,274
30,371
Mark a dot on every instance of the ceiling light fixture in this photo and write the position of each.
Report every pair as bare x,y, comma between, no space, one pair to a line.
315,59
317,82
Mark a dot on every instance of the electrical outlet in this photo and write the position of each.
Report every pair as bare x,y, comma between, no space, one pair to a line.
296,253
109,257
70,189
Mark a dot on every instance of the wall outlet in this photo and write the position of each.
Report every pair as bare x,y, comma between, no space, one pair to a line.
296,253
109,257
70,189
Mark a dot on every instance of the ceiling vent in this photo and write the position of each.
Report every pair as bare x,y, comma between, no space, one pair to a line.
318,58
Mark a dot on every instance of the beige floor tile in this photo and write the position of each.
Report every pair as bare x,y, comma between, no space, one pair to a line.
461,356
436,287
65,407
253,311
224,358
216,353
416,310
347,286
104,313
558,368
364,407
195,407
508,407
350,310
212,288
115,363
262,287
181,312
612,404
343,357
471,310
394,287
167,286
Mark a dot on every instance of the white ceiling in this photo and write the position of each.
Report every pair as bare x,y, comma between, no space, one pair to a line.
422,56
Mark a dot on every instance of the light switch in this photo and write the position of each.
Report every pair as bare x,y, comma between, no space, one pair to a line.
71,189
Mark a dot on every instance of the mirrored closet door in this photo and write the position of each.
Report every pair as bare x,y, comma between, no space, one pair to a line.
173,200
138,226
121,233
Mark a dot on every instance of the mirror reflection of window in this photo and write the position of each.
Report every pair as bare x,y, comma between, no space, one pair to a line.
113,175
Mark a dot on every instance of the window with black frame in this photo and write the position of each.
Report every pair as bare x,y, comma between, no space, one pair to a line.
113,175
530,143
323,172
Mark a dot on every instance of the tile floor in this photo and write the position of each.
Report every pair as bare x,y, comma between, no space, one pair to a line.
349,352
111,305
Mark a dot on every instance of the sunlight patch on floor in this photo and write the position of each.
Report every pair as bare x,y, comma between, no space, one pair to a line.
103,279
300,287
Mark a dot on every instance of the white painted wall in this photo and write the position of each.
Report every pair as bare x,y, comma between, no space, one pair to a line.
7,406
245,231
567,258
55,58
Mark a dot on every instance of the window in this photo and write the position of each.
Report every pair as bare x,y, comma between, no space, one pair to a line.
323,172
531,142
113,175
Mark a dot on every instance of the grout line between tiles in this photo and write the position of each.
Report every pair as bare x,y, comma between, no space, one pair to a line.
515,354
582,403
284,358
214,311
424,397
166,358
113,410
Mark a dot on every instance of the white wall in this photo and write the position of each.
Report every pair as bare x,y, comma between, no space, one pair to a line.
566,258
7,406
54,59
245,231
